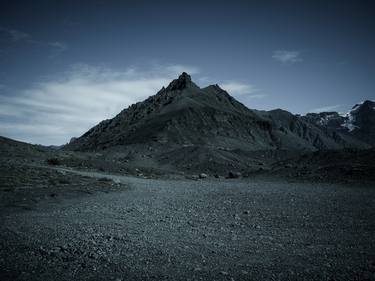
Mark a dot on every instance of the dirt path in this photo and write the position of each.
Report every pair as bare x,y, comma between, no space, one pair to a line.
195,230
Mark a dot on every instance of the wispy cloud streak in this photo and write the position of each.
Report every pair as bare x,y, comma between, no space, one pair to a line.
327,108
239,89
287,57
17,36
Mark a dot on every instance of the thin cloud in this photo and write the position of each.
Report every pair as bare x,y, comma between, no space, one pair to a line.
59,47
19,36
53,111
15,35
259,96
287,57
70,23
241,89
204,80
172,70
327,108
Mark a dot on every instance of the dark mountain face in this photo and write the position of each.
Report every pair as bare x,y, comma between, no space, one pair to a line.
207,121
358,123
329,120
296,132
182,114
361,122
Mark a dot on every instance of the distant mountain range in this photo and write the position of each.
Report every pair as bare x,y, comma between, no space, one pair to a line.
359,122
184,115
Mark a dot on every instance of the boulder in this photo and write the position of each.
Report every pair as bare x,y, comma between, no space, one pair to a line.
203,175
234,175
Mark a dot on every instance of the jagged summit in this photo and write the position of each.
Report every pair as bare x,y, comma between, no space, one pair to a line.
184,76
183,81
365,103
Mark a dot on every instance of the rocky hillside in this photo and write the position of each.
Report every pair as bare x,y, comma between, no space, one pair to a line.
182,115
186,127
185,115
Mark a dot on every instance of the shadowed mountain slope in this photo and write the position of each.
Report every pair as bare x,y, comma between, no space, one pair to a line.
184,115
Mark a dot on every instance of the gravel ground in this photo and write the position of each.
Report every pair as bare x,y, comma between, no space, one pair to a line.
210,229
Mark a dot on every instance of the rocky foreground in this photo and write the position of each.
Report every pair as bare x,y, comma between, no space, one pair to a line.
60,224
90,216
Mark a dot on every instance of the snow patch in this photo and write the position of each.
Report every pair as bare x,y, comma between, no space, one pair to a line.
350,118
325,119
349,125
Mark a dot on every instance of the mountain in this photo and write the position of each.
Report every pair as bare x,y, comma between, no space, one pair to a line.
185,125
358,123
304,134
182,114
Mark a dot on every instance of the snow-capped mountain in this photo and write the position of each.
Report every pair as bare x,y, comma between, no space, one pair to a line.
359,122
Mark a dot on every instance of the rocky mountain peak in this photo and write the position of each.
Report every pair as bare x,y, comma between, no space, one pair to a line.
185,76
183,81
363,105
369,103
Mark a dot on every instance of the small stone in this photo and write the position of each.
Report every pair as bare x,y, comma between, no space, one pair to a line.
42,250
56,249
234,175
203,175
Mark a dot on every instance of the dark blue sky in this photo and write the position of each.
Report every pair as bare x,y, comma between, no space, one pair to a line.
74,63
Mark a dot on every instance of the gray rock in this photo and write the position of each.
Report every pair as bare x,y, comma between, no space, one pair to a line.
203,175
234,175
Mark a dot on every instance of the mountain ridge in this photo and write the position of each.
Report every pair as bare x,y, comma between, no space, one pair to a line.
187,127
185,114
